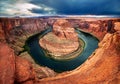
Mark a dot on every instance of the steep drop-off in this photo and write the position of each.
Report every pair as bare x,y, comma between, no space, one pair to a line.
101,67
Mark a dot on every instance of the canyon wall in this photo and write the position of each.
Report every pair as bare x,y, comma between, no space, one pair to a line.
102,66
17,30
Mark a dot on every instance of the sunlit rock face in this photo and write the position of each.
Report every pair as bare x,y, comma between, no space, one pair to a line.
62,40
117,26
63,29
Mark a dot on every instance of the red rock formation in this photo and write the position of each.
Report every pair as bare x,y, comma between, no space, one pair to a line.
117,26
62,41
7,64
2,34
96,26
16,29
102,67
63,29
23,71
14,69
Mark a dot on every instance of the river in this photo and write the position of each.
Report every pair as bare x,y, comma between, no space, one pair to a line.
38,54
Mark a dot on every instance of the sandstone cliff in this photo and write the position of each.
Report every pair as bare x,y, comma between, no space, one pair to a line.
63,29
7,64
102,67
14,69
17,30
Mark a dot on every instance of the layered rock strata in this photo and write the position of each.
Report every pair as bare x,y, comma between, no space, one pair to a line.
17,30
102,67
62,40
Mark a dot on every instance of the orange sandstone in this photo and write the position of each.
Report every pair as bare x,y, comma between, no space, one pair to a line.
62,40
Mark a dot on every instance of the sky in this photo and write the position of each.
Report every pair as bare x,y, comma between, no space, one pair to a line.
59,7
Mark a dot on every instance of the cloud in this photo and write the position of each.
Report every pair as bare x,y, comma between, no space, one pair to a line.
22,8
81,7
59,7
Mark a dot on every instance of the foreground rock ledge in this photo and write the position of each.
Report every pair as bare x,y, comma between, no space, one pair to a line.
62,40
7,64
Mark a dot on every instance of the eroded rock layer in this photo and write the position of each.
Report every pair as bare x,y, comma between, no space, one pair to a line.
62,41
7,64
102,67
17,30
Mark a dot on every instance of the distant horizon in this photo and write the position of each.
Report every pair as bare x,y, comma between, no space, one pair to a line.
99,16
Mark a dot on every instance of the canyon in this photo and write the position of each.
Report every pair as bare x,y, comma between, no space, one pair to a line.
17,66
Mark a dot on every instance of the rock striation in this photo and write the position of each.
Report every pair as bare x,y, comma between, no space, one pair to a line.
63,29
61,41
